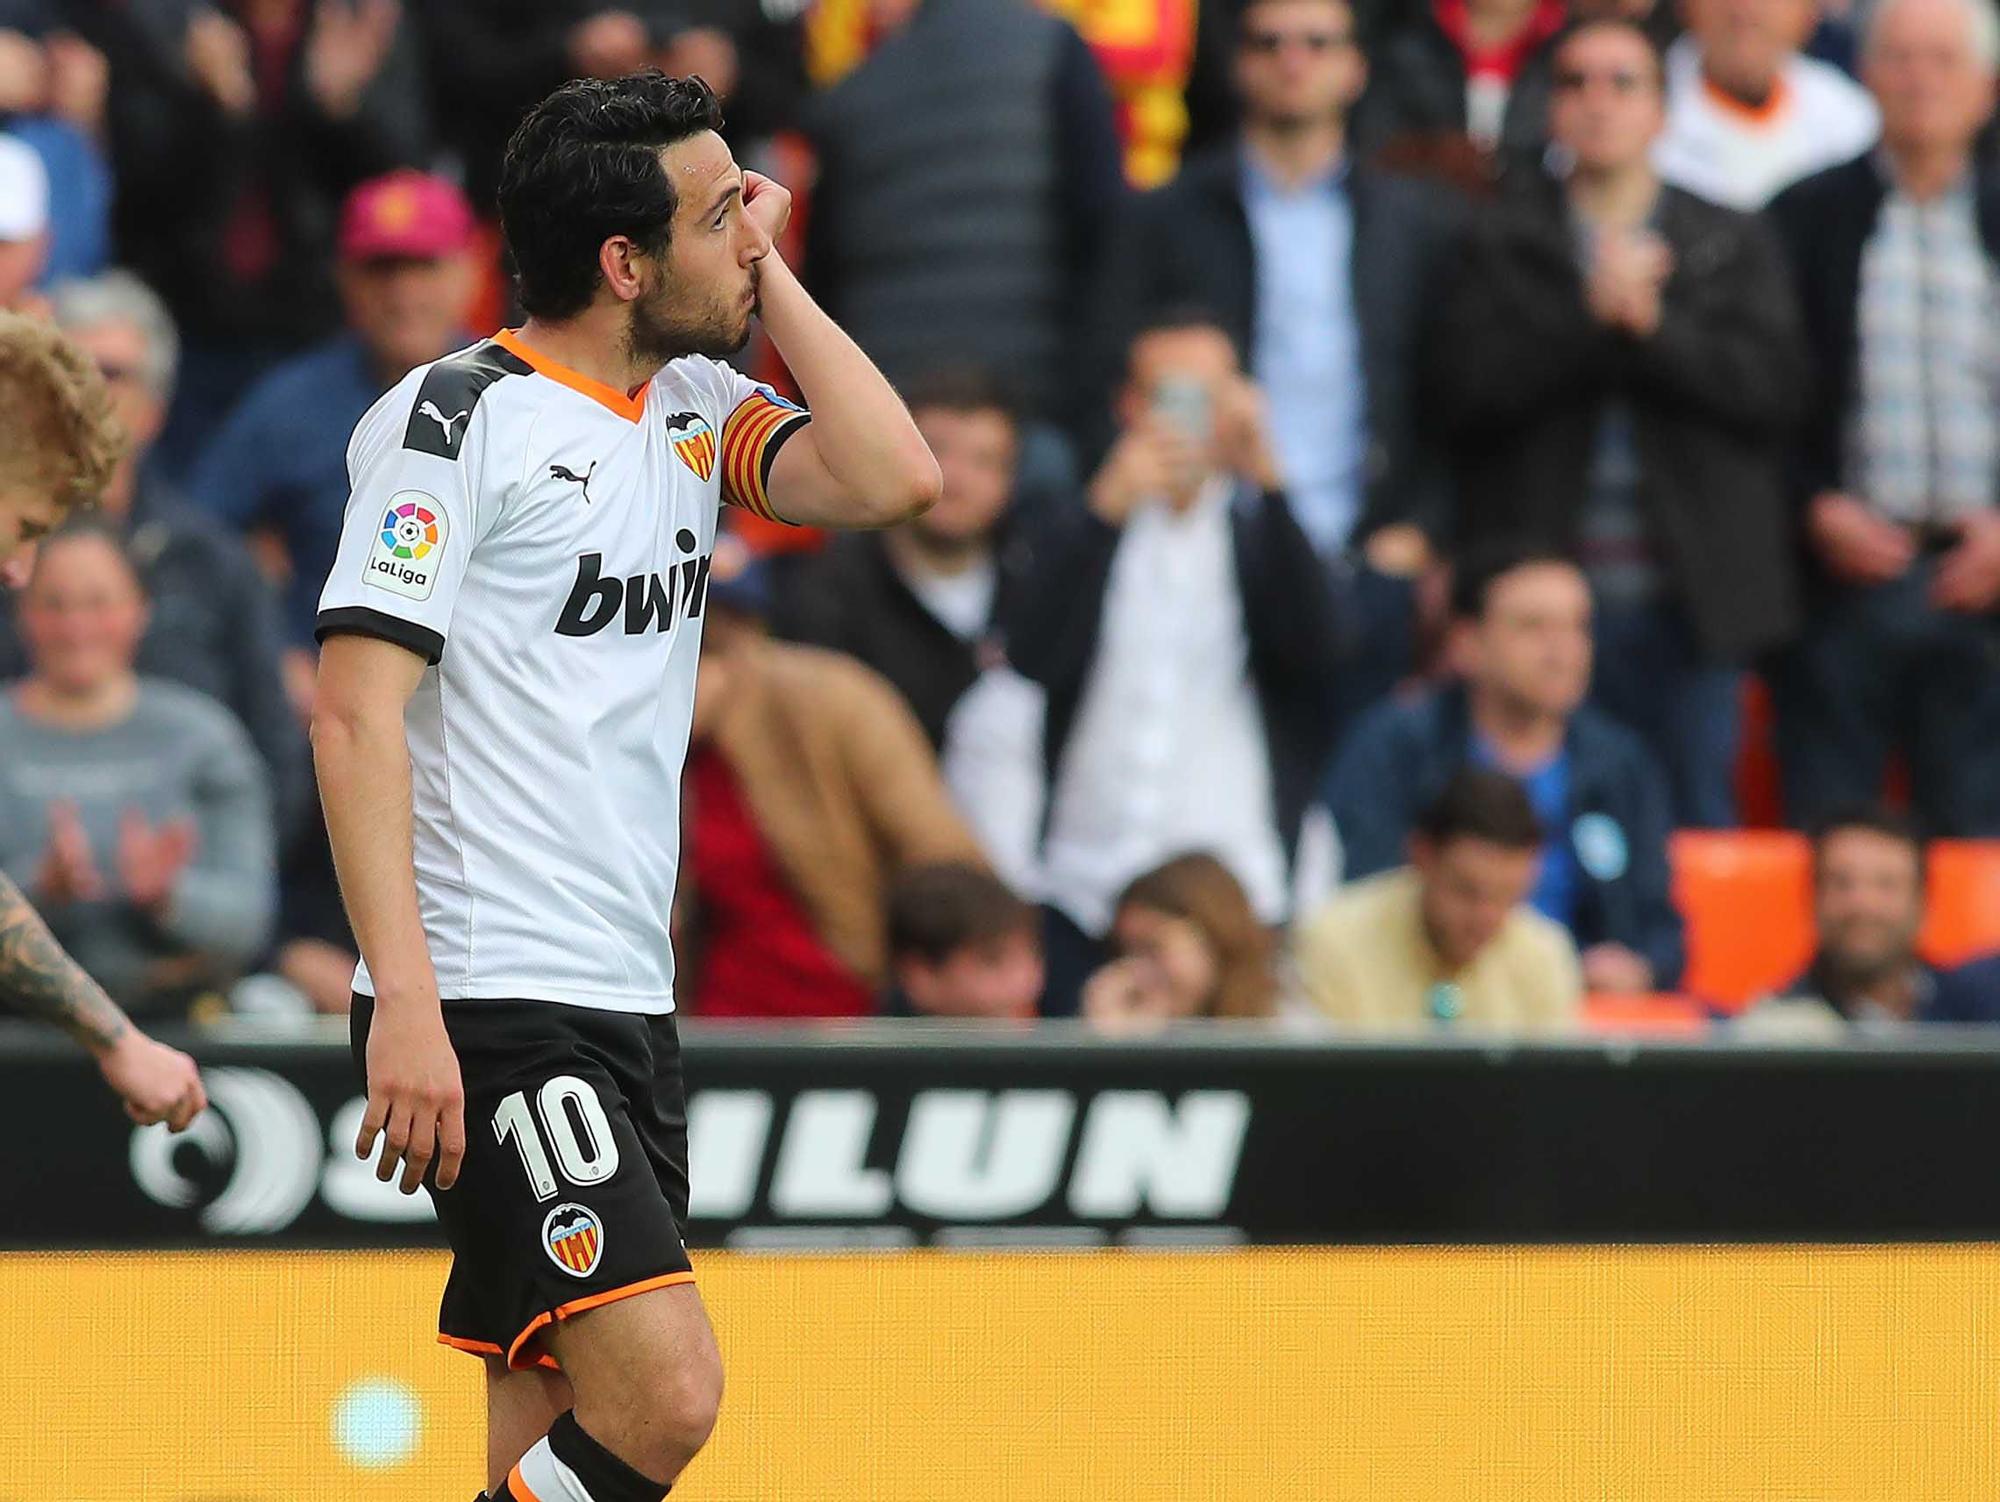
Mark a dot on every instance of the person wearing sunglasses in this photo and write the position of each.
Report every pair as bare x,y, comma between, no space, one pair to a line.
1324,271
1620,365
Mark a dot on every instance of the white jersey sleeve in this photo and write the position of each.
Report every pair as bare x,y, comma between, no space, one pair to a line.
755,422
422,491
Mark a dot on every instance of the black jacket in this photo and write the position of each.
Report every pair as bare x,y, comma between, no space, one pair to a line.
1823,224
1401,756
1188,244
850,598
1522,369
1055,618
1416,89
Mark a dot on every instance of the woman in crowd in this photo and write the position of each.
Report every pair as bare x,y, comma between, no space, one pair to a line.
132,811
1188,945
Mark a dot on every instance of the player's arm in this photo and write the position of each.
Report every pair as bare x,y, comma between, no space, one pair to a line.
38,980
860,462
415,1099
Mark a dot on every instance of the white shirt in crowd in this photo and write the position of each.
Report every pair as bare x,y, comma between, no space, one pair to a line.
1167,754
962,603
1729,153
543,542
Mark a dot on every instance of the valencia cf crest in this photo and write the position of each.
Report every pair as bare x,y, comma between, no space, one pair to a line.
694,441
574,1239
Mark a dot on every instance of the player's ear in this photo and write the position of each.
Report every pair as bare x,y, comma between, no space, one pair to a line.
619,260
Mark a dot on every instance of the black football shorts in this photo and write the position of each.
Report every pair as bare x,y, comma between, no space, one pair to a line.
574,1187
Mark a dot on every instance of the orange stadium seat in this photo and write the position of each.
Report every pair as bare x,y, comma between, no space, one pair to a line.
1964,916
1655,1016
1747,899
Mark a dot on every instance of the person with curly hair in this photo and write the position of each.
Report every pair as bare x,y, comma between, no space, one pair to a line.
62,445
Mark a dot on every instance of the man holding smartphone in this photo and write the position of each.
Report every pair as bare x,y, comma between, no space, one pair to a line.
1183,632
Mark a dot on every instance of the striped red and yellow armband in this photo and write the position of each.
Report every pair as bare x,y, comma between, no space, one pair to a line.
751,438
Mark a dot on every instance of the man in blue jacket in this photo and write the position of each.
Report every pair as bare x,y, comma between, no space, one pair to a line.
1521,648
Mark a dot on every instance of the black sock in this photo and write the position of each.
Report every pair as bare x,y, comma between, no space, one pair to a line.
608,1478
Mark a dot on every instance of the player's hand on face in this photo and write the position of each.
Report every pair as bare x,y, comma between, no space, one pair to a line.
152,857
157,1083
767,201
416,1102
68,872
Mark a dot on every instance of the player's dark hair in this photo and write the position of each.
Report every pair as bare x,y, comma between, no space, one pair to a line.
963,388
584,166
1481,804
1472,587
1870,818
936,910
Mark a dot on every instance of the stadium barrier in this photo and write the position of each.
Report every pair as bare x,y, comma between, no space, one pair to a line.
265,1331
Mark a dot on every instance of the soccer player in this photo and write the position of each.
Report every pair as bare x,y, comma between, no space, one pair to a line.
61,445
510,634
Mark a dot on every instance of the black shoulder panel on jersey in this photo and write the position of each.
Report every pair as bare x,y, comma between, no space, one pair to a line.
451,390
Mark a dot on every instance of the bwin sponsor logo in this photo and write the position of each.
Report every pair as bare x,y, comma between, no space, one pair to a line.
644,602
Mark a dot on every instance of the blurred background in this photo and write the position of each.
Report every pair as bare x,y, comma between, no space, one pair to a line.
1452,699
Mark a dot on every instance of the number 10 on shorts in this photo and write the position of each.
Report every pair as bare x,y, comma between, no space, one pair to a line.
587,1159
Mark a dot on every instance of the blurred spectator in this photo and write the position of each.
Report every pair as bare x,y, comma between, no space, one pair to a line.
994,764
1326,272
962,945
1618,365
211,623
920,603
53,87
1450,938
133,811
808,787
1747,115
24,225
1183,630
968,174
236,129
278,468
1868,905
1460,85
1185,943
1521,647
1897,258
495,58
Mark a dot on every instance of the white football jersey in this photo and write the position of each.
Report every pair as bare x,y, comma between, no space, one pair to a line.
543,542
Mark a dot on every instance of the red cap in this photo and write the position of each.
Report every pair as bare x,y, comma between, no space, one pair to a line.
406,214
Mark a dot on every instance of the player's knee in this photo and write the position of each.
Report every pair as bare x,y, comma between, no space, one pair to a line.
685,1403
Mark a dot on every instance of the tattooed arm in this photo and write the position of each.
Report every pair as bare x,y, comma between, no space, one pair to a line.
38,980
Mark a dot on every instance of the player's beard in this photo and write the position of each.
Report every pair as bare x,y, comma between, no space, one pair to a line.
666,324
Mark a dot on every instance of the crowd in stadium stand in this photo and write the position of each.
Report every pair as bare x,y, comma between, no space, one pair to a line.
1406,463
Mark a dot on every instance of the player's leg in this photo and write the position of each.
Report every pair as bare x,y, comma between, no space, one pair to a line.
648,1382
520,1408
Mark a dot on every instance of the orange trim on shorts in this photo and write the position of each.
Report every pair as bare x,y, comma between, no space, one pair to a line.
487,1348
631,408
578,1306
520,1487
